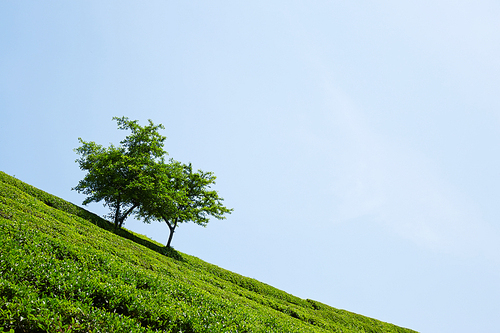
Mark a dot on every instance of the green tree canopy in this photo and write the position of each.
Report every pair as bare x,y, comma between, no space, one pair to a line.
134,178
180,195
116,175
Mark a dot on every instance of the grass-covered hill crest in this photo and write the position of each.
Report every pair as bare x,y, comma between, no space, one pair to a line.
63,269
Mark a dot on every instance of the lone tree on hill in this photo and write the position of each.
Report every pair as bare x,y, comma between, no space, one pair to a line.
180,195
134,178
117,174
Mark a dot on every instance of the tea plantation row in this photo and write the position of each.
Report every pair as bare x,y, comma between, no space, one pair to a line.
63,270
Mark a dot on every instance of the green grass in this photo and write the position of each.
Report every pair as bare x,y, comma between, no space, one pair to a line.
63,269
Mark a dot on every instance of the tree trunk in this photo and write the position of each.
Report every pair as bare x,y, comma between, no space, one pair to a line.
170,238
117,215
124,216
172,230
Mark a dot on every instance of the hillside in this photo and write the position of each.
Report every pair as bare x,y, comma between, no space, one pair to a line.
62,269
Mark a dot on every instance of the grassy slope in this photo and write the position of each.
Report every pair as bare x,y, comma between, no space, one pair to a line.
62,269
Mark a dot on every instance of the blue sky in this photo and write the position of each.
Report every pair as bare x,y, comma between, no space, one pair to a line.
358,143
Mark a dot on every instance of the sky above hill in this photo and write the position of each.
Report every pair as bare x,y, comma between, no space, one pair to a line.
358,142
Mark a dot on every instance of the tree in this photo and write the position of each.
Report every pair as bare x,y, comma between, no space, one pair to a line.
117,175
180,195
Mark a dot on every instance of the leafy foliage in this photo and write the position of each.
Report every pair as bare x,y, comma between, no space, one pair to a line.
135,177
61,270
116,175
180,195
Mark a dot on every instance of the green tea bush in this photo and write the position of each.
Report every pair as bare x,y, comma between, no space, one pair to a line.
62,269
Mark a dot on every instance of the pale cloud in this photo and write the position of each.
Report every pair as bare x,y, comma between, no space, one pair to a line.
402,189
380,177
